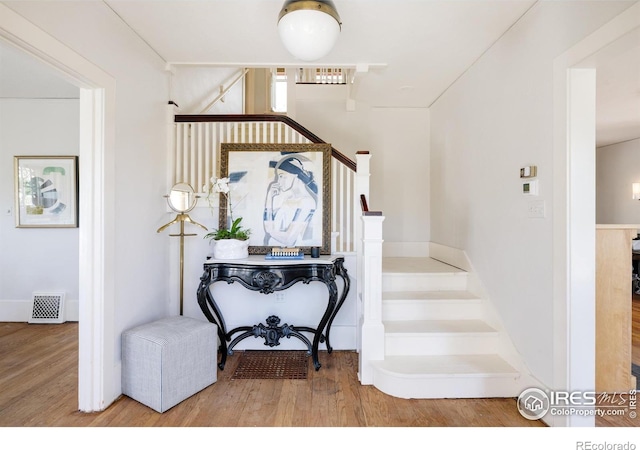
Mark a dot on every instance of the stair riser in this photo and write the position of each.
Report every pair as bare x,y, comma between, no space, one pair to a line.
447,387
440,344
424,282
431,310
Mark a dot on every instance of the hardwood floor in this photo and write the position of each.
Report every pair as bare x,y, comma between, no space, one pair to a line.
38,375
38,372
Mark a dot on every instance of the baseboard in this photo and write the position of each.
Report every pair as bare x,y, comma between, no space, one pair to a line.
405,249
20,310
449,255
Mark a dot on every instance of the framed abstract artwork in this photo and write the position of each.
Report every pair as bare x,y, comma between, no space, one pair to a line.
281,191
46,191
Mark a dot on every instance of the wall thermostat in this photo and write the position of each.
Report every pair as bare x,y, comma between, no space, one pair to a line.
530,187
528,172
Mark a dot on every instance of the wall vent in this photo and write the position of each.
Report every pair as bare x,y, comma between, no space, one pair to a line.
47,307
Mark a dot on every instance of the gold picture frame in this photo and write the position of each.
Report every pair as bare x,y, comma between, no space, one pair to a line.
281,191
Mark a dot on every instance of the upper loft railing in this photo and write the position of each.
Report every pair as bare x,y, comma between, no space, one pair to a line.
322,75
196,150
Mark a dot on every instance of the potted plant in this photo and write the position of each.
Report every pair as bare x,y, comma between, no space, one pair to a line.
231,242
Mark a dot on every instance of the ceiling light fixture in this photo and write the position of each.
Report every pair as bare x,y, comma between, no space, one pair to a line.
309,29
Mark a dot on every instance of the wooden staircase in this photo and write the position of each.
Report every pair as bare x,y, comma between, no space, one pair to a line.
437,342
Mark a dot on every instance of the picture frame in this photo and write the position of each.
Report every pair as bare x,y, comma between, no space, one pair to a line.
46,191
281,191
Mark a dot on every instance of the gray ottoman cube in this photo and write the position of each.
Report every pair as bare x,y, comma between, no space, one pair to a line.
167,361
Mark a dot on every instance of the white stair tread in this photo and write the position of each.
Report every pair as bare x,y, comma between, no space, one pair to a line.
416,265
428,295
447,365
437,326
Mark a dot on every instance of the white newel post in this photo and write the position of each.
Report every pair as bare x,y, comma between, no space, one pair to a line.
372,329
361,187
368,239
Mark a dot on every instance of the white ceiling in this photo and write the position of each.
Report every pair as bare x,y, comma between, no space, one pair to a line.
423,45
415,49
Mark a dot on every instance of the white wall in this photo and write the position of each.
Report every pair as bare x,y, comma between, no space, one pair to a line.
193,88
494,120
398,140
400,177
139,278
617,166
35,259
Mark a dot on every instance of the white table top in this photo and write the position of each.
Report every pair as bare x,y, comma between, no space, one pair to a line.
259,260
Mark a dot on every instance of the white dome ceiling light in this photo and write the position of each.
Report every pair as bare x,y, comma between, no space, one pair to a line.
309,29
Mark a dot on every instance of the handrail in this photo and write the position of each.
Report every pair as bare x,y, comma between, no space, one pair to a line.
363,203
266,118
223,90
365,207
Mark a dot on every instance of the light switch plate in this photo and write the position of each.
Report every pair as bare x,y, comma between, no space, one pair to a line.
536,209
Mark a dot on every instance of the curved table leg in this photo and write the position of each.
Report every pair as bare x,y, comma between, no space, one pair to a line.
205,300
311,330
342,273
331,305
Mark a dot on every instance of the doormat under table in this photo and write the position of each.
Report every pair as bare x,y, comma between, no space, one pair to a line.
268,364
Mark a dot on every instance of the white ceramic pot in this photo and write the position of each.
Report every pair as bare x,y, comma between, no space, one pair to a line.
230,249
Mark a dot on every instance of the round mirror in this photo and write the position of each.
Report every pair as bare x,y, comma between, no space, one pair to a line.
182,198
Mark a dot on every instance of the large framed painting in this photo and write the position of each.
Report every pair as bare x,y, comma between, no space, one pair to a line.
281,191
46,191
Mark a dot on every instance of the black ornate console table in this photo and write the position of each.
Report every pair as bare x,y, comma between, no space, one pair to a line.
268,276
